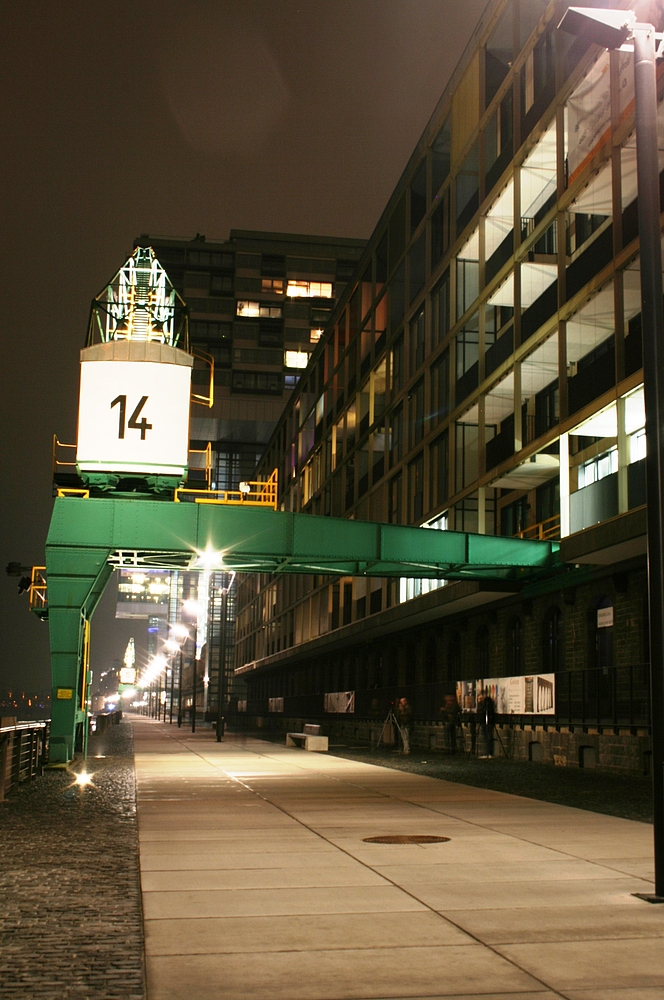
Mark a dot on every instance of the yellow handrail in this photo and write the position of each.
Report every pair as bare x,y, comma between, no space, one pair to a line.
56,462
545,530
208,360
250,494
207,451
38,589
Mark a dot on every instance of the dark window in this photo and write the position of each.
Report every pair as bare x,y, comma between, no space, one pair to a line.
417,341
552,644
381,259
397,365
498,140
397,296
454,657
273,265
515,647
416,479
397,232
395,500
417,412
440,310
514,517
397,435
440,456
440,387
417,261
418,196
482,650
467,189
498,55
264,383
440,228
440,156
546,408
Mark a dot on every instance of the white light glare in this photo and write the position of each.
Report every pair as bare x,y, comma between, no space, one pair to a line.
128,693
210,559
191,607
180,631
83,778
172,646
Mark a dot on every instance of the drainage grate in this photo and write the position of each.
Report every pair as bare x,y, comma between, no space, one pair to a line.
405,838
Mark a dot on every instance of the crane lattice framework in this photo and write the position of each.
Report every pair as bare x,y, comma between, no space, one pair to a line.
89,538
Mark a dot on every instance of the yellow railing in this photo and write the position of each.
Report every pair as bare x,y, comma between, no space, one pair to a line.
57,458
251,494
207,451
209,361
64,491
544,531
37,595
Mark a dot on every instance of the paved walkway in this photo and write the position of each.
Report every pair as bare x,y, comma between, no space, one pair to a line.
257,883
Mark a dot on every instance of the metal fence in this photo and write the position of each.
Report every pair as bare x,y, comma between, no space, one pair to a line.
609,697
23,752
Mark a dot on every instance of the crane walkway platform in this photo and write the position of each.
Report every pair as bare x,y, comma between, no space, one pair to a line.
258,882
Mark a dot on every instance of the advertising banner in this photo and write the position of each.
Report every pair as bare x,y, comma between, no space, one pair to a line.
533,694
339,702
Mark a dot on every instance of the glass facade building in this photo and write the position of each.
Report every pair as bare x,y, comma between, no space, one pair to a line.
482,372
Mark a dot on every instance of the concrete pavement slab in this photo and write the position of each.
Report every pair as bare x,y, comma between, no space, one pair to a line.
283,897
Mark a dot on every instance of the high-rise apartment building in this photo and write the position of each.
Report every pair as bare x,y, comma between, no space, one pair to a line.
257,304
482,372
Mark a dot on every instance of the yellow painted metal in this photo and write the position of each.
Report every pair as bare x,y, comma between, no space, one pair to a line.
544,531
207,451
250,494
58,462
208,360
64,491
37,595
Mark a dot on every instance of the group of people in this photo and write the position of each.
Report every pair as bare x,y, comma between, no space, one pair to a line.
485,717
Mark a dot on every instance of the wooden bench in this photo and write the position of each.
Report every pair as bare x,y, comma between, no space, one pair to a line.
309,738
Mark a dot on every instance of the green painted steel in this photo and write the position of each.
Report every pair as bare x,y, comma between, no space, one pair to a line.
84,534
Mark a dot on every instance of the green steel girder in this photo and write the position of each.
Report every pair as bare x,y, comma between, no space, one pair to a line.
85,534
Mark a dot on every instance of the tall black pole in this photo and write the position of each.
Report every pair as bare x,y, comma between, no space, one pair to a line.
194,661
180,691
170,714
221,686
652,311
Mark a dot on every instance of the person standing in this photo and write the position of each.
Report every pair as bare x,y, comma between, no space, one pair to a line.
451,716
405,719
486,716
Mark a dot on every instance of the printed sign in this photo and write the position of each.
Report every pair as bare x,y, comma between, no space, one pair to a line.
604,617
133,417
339,702
533,694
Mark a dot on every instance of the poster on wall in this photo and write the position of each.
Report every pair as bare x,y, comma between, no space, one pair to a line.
533,694
339,702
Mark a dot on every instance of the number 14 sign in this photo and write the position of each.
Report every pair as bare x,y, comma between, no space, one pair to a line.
133,417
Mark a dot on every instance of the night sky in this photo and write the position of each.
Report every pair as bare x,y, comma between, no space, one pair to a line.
123,118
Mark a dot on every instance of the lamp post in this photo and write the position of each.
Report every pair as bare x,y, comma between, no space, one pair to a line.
180,691
619,29
221,692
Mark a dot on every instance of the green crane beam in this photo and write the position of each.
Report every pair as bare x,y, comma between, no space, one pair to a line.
88,538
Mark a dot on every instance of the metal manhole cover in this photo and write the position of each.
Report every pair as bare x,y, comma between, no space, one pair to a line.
405,838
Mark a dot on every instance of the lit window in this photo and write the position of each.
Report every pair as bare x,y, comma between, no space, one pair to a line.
315,335
245,308
263,309
309,289
637,445
275,285
598,468
296,359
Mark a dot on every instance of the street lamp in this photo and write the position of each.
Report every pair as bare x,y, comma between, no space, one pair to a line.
221,693
619,29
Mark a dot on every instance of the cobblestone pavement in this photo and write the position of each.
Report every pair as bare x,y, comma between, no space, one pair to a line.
70,919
